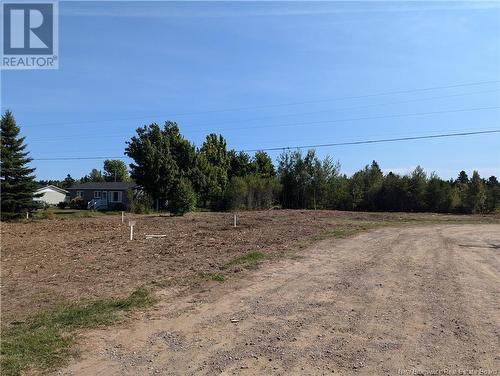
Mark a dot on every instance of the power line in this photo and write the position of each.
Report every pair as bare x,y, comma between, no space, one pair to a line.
459,134
371,95
376,141
311,123
319,122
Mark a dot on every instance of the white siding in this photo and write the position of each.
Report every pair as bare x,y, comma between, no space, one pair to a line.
50,197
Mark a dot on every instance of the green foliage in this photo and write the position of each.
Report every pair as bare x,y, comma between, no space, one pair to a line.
62,205
212,171
78,203
310,183
476,195
44,214
45,340
239,164
306,180
17,182
140,202
115,170
252,192
183,198
248,260
492,194
68,182
154,167
94,176
213,277
161,157
262,165
221,179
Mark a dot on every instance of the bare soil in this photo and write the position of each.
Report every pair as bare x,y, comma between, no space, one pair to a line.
51,261
421,300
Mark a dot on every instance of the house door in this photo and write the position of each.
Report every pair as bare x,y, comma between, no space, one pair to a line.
105,196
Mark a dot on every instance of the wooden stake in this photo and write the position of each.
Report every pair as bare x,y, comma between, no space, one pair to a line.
131,224
27,215
234,223
123,218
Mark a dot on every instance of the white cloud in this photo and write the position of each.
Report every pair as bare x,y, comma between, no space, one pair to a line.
218,9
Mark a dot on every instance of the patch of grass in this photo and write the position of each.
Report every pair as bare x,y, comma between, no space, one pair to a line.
248,260
52,213
217,277
342,233
345,232
45,340
213,277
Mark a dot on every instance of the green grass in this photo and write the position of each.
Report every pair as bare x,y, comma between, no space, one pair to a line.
45,341
213,277
248,260
346,229
55,213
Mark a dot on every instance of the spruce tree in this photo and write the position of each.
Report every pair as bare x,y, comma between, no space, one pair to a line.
17,182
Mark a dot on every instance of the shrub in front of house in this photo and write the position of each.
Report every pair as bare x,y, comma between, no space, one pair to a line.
140,202
116,206
46,214
62,204
78,203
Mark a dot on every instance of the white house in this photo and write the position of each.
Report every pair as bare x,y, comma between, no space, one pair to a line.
51,195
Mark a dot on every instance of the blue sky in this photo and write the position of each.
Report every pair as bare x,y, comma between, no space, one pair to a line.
267,74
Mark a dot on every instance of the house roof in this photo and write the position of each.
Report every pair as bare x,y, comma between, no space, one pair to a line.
106,185
53,188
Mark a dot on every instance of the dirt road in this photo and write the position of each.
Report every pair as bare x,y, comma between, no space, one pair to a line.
391,301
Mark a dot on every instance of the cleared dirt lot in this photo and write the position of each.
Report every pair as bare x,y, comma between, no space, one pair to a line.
51,261
391,301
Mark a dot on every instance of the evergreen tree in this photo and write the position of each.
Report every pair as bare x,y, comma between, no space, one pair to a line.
17,180
476,198
417,185
239,164
68,182
492,194
263,164
212,170
462,178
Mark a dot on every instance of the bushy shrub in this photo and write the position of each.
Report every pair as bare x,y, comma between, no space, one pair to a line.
78,203
39,205
116,206
183,198
62,205
140,202
45,214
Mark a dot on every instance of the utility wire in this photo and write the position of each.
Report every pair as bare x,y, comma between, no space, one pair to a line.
319,122
387,93
298,124
460,134
376,141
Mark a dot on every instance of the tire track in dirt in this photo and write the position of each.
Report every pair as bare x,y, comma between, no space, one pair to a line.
388,300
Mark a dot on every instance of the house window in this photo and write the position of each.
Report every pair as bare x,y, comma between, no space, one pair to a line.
97,194
116,196
79,193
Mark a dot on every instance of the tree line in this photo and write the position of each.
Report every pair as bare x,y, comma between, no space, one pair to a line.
176,175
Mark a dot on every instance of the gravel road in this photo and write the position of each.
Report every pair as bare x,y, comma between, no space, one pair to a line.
387,302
